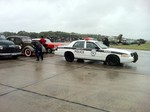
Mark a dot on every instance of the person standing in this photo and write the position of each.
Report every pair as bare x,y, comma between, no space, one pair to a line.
106,42
38,50
43,42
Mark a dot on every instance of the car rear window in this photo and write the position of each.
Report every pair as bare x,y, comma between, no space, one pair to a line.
26,39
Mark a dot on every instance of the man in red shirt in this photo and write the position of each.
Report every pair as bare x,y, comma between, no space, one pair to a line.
43,42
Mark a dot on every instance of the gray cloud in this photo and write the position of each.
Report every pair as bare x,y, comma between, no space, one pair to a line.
109,17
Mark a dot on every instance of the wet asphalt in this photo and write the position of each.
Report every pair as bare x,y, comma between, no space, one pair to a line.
54,85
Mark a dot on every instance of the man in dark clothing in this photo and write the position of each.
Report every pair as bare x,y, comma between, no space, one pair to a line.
106,42
38,50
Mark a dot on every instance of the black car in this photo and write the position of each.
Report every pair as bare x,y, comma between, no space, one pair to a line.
9,49
25,42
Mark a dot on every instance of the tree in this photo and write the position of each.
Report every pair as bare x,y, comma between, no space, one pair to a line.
23,33
6,34
33,35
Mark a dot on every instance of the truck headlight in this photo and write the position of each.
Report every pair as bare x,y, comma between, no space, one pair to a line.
1,47
125,55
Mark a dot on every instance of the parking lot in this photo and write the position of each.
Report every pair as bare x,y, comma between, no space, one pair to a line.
54,85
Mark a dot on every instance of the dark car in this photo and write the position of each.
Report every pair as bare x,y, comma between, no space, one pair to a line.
128,41
9,49
25,42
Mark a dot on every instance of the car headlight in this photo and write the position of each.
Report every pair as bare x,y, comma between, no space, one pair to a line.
1,47
125,55
19,47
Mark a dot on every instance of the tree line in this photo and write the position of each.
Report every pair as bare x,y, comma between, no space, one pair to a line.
65,36
56,36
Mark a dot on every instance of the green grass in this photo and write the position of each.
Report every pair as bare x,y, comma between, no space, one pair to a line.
145,46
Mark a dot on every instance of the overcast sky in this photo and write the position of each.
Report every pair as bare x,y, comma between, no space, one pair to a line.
107,17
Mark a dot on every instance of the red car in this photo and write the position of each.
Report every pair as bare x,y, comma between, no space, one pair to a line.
51,46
